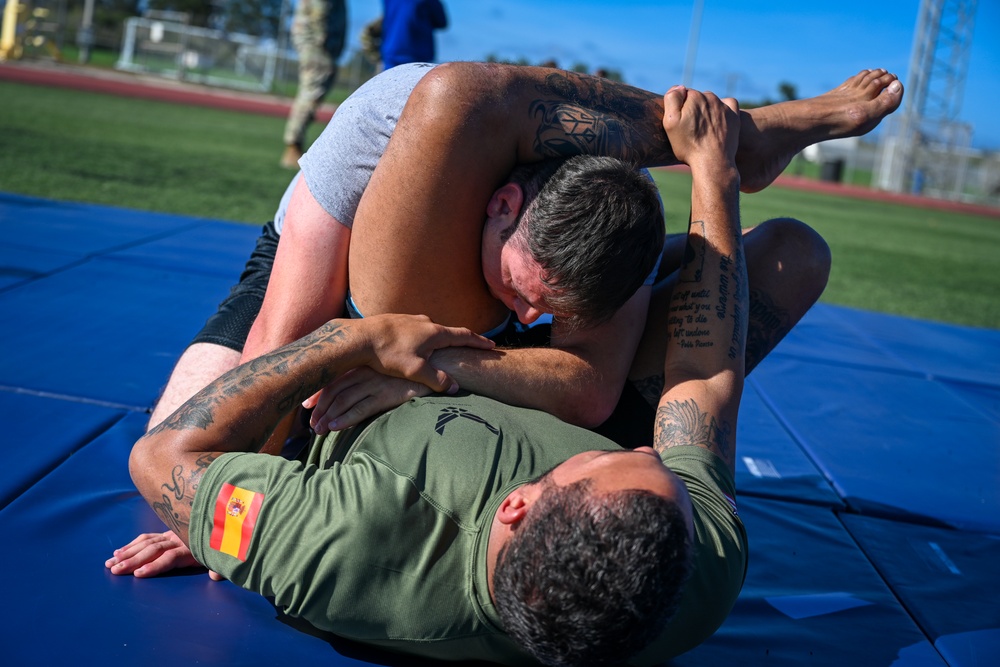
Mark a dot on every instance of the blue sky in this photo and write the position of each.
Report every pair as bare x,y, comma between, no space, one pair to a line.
745,48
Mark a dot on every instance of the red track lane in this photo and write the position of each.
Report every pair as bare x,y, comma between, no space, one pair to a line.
118,83
113,83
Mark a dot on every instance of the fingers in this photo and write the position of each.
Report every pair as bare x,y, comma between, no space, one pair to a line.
466,338
311,402
673,102
438,381
127,559
362,410
358,395
338,397
171,559
149,555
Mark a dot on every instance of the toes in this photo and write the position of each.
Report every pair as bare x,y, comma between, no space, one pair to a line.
887,84
892,95
872,77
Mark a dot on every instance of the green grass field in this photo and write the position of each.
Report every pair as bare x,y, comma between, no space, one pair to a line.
71,145
886,257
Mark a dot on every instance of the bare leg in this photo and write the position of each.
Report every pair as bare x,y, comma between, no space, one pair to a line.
201,364
771,136
788,265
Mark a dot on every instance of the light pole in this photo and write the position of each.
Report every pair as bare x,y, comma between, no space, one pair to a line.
692,51
85,37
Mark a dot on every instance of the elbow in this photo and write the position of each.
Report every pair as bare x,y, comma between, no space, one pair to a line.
591,408
138,463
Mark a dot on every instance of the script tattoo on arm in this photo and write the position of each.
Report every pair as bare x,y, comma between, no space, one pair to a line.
594,116
737,282
174,506
681,423
688,320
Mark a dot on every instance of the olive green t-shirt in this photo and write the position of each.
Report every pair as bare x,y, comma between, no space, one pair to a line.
381,536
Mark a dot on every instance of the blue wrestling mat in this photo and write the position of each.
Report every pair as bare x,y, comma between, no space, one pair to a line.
868,469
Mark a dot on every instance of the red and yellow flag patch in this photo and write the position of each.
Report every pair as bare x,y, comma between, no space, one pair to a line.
235,517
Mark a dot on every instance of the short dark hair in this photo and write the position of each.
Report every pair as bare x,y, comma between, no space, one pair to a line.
595,226
591,579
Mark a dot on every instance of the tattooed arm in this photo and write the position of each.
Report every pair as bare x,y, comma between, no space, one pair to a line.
417,241
237,412
707,324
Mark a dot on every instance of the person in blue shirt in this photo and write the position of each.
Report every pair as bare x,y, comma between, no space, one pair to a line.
408,30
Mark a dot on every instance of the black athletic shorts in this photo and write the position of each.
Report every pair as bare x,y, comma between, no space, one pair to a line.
230,325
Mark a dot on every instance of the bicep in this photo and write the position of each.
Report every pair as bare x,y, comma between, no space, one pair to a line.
308,283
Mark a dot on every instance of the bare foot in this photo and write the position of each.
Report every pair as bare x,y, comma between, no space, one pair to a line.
771,136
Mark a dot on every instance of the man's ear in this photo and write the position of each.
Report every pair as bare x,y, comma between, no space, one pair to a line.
506,202
515,506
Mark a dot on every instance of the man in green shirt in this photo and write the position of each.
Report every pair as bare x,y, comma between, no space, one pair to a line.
435,530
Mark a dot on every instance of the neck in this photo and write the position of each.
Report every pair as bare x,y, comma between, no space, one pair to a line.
499,536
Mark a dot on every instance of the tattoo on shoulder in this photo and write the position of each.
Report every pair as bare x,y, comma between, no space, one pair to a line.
680,423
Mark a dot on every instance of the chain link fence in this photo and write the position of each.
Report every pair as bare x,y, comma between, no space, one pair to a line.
202,55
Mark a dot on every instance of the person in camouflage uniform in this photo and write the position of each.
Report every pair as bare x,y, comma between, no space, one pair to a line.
318,30
371,42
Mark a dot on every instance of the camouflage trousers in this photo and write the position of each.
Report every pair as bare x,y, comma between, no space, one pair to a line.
318,30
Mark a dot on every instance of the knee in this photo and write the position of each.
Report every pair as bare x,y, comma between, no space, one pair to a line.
802,254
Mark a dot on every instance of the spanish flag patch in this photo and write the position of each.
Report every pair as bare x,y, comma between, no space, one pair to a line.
235,517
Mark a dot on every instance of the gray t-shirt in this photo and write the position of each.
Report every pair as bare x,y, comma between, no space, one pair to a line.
338,166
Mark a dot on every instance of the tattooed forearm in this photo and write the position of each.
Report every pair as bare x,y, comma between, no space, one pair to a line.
175,520
694,254
738,278
200,411
680,423
174,506
177,483
588,115
689,323
731,299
